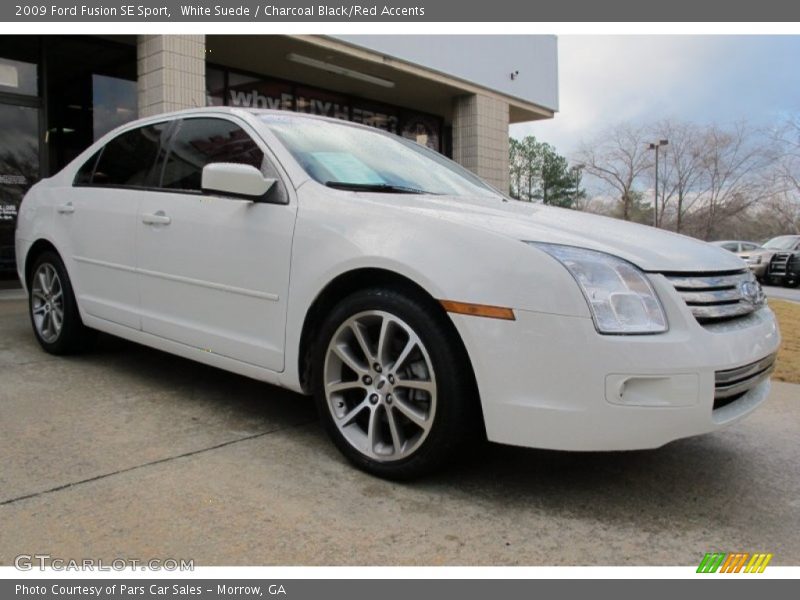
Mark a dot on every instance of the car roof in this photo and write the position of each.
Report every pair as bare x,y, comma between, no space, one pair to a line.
255,112
243,113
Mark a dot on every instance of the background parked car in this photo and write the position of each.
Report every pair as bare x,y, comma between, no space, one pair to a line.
759,260
784,268
736,246
792,278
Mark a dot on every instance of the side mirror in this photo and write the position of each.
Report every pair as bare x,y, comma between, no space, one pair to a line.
237,180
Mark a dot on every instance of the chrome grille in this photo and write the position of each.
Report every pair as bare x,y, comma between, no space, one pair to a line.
731,384
779,264
719,296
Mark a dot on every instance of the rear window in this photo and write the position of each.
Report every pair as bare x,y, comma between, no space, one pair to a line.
128,160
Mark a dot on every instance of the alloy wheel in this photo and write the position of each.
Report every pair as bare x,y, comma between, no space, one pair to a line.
47,302
380,385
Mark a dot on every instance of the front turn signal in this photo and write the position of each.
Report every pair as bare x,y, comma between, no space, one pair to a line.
478,310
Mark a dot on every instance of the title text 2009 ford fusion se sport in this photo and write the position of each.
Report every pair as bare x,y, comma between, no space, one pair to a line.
420,307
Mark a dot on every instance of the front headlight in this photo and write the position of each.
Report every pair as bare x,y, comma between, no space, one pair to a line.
619,295
753,260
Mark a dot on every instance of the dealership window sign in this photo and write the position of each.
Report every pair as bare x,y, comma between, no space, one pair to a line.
254,92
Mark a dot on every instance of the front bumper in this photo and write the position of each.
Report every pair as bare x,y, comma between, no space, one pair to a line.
758,269
551,381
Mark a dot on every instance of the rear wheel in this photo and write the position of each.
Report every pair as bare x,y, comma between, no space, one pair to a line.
393,386
54,313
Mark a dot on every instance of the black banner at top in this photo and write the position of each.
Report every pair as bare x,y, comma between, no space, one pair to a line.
408,11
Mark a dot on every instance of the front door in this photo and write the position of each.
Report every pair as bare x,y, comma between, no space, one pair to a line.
214,271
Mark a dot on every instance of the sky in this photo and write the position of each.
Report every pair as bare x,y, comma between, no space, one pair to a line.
643,79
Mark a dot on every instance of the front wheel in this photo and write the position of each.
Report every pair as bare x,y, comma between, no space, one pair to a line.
393,385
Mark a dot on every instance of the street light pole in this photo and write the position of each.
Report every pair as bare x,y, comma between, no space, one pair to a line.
655,146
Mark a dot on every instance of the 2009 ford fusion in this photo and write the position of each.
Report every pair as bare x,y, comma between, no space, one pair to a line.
418,305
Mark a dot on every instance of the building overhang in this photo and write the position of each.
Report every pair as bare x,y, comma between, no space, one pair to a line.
325,62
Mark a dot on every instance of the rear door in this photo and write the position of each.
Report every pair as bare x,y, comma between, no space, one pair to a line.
100,218
214,270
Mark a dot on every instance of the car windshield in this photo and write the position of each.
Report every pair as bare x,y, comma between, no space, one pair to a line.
783,242
345,157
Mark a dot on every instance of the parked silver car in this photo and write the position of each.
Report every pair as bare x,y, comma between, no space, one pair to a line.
759,259
736,246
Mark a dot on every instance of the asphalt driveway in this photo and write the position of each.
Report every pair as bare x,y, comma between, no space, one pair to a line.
132,453
782,293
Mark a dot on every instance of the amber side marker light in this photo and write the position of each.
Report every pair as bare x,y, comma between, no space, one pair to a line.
478,310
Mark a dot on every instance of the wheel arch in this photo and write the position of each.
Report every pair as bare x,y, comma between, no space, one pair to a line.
350,282
37,248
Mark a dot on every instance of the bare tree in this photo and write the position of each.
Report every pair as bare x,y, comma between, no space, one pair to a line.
732,164
713,182
618,158
784,209
681,171
786,202
787,140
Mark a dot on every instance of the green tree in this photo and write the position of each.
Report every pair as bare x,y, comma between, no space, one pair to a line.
539,173
525,167
638,209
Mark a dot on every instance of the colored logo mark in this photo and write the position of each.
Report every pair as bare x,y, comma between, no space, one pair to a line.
735,562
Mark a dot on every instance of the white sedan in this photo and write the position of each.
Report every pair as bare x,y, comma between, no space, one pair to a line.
420,306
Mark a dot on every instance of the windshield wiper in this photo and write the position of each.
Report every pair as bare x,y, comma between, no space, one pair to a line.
386,188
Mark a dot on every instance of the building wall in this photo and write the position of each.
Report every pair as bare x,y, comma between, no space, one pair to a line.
480,137
172,73
492,59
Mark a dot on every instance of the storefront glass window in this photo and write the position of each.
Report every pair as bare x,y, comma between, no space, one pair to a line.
250,91
113,103
91,88
215,87
18,77
19,170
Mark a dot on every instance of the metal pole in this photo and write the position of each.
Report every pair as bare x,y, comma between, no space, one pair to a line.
655,146
655,203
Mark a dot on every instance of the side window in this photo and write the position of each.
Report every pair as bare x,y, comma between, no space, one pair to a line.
85,173
128,159
201,141
731,246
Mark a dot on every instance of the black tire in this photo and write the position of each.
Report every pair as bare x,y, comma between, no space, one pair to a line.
456,423
73,336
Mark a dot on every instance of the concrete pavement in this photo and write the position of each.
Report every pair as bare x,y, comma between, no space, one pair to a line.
132,453
783,293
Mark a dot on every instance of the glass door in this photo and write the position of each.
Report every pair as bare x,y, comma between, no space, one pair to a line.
19,170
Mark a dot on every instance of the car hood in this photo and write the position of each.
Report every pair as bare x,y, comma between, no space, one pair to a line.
648,248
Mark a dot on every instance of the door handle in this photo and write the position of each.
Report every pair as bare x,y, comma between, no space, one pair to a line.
157,218
66,209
